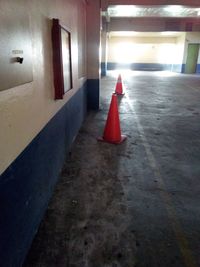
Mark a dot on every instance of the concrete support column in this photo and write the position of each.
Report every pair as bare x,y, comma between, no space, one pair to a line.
103,53
93,52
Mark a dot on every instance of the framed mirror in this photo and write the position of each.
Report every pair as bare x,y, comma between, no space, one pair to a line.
62,66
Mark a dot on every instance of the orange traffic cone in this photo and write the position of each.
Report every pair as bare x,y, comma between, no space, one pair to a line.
119,86
112,131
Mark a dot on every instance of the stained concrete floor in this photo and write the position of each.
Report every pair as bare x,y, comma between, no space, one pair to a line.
136,204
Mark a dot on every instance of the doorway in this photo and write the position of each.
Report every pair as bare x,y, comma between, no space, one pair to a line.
192,57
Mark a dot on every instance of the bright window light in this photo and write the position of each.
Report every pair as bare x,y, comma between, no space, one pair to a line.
123,52
166,53
128,52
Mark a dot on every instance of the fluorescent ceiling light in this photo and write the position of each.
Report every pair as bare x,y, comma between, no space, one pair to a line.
175,9
124,33
167,33
123,11
152,11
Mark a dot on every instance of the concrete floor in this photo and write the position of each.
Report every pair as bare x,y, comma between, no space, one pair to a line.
136,204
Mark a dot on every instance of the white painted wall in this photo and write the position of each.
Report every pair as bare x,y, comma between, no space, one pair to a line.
132,49
179,49
26,109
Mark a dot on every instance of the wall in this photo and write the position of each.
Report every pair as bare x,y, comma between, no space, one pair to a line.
104,47
26,109
155,53
179,53
37,131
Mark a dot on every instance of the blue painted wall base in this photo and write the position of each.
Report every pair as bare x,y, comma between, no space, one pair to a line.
93,94
180,68
139,66
27,185
103,69
197,68
177,68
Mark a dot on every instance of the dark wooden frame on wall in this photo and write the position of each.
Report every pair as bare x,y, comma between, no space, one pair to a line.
58,68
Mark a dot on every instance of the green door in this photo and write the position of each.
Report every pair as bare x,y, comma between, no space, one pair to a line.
192,57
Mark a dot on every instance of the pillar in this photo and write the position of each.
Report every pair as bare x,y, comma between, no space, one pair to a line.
93,52
103,53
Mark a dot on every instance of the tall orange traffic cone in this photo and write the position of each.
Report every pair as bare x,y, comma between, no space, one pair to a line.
119,86
112,131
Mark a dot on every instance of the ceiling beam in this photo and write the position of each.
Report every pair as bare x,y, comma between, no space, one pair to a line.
154,24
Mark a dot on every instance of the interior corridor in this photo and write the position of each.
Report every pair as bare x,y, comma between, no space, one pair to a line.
136,204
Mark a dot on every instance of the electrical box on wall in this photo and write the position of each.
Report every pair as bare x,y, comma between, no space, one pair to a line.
15,45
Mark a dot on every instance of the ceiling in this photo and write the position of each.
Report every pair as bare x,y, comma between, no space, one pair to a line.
177,11
122,12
